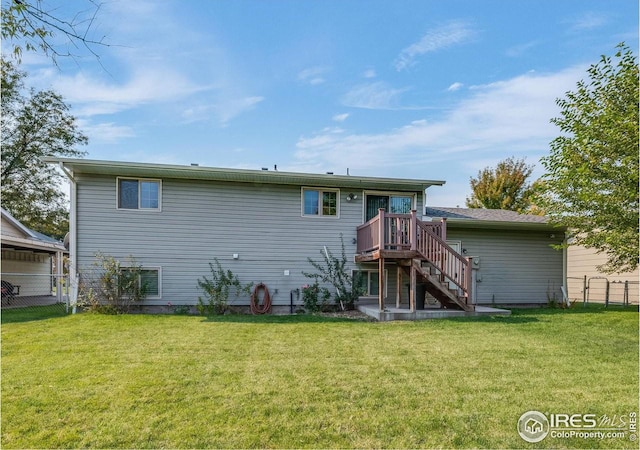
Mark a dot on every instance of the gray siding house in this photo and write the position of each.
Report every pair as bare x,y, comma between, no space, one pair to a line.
264,224
514,261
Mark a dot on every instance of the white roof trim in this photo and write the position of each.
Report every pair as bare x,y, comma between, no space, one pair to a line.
16,223
120,168
32,240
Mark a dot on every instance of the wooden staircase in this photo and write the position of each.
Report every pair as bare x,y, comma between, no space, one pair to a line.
436,284
419,248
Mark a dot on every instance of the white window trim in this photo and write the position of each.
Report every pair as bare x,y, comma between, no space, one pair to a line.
159,269
413,195
372,271
319,189
159,181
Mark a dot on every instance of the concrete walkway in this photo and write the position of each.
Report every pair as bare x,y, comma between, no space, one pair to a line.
427,313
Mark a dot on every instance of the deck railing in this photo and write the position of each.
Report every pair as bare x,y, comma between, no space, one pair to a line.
368,235
404,232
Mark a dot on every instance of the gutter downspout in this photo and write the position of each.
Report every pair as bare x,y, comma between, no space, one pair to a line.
73,246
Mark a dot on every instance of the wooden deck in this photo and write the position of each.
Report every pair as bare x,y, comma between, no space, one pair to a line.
419,249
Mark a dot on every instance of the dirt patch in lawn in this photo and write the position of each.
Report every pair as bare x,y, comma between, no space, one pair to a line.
354,314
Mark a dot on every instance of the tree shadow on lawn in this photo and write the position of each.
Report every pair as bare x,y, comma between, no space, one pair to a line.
530,315
284,318
523,315
32,313
518,316
494,319
576,308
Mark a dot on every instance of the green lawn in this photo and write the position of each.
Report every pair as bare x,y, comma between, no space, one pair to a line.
303,381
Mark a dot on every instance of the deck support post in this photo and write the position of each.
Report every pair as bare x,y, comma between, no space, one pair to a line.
381,286
398,286
412,288
469,280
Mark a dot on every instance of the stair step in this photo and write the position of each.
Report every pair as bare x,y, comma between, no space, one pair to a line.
438,288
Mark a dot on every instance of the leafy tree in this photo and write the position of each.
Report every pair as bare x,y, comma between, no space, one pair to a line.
30,25
35,124
591,180
503,187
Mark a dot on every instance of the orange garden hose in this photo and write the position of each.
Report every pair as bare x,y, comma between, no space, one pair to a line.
256,307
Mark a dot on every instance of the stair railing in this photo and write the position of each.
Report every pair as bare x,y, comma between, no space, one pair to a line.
402,232
452,266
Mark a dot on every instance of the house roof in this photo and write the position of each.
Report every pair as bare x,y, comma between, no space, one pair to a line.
490,218
148,170
30,239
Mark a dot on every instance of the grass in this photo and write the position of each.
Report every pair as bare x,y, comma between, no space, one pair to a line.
140,381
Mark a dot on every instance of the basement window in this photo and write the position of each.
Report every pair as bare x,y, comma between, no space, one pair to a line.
150,279
369,279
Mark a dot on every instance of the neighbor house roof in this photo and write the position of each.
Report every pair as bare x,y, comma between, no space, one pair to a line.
117,168
31,240
489,218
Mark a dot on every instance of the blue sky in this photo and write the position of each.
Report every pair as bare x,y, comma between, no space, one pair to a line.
412,89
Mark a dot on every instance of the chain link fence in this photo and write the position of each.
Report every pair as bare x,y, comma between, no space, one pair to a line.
600,289
22,290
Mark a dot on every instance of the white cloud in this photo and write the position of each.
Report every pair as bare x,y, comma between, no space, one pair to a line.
92,96
223,109
376,95
452,33
313,75
455,87
507,117
106,131
588,21
340,117
151,85
369,73
519,50
233,107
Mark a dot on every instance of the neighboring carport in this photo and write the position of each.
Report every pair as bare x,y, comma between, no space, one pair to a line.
32,266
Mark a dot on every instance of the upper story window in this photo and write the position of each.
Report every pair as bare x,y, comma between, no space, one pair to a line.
320,202
393,203
139,194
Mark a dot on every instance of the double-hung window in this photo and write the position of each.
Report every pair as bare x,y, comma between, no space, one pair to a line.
139,194
320,202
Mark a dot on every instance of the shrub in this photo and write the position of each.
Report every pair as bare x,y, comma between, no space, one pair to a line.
311,295
217,288
110,287
333,270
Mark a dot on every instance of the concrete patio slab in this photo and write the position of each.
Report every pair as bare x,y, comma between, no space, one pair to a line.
428,313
